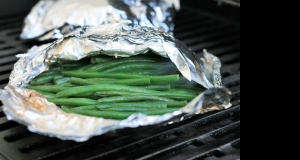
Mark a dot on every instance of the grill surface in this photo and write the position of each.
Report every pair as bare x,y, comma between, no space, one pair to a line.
214,136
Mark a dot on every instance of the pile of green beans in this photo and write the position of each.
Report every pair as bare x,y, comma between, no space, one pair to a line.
116,88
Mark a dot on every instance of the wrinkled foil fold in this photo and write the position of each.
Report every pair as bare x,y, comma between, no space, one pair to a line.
119,40
51,19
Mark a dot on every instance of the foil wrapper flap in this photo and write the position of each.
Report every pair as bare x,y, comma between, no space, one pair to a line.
51,19
119,40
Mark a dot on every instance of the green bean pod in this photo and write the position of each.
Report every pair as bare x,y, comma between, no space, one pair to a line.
43,79
145,72
81,82
89,107
66,109
139,81
61,80
105,105
83,68
45,73
91,94
131,98
171,95
102,87
47,95
129,82
162,87
48,89
185,91
73,101
113,93
66,84
113,63
79,74
128,109
100,79
132,66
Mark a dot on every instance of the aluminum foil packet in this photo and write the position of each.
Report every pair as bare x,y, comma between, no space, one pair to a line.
119,40
51,19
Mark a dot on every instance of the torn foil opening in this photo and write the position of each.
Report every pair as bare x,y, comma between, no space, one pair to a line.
51,19
120,40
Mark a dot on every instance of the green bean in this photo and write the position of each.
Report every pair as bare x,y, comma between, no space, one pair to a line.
129,82
125,86
125,109
102,87
113,93
66,85
66,109
43,79
87,97
47,95
89,107
85,94
49,73
132,105
49,89
131,98
73,101
176,96
100,79
104,105
83,68
61,80
160,111
131,66
161,87
145,72
58,77
79,81
184,90
104,114
168,78
112,63
140,81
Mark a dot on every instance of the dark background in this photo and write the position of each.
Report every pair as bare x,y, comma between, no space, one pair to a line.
15,7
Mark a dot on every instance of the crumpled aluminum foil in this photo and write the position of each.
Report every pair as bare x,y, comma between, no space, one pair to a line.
120,40
51,19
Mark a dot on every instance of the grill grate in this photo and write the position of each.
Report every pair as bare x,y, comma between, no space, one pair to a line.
214,135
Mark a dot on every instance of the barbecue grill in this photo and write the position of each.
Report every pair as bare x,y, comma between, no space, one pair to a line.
201,24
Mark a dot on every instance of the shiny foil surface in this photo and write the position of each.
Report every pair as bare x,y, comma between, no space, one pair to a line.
51,19
119,40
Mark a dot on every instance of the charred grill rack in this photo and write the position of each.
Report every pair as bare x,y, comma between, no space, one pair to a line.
214,135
